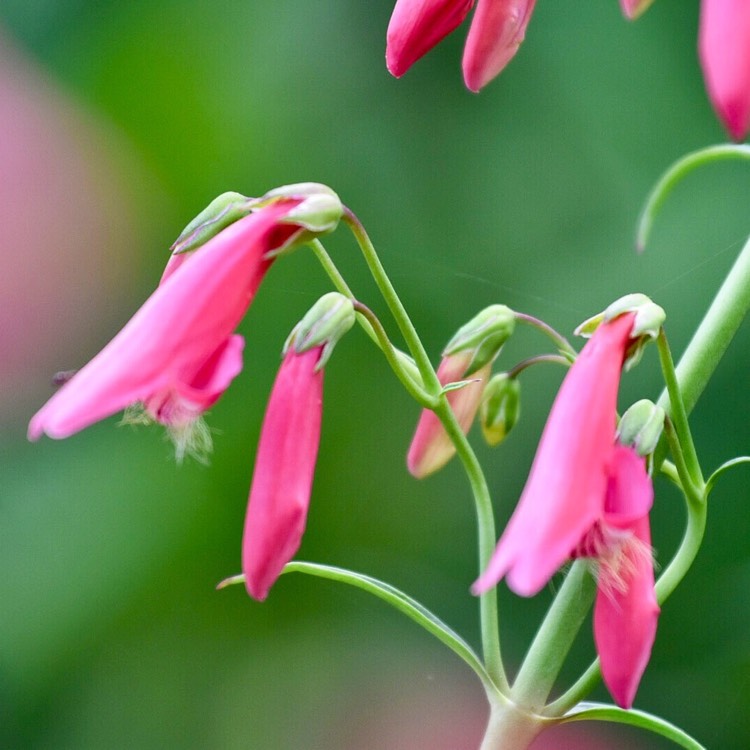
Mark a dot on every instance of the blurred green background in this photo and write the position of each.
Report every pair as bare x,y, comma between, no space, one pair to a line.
119,122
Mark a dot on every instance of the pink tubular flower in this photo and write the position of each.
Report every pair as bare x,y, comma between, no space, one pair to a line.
564,494
497,30
724,48
431,448
588,496
496,33
177,354
284,468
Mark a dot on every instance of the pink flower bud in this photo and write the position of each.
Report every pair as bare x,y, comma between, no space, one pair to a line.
284,468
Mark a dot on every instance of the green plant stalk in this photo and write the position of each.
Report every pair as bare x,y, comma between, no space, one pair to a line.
417,393
662,189
554,639
677,411
411,337
558,339
714,334
488,609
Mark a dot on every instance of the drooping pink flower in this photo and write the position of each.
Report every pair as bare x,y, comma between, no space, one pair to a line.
416,26
626,610
497,30
564,494
724,49
177,354
431,448
496,33
284,468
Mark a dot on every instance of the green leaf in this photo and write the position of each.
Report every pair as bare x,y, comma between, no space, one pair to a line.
724,467
397,599
635,718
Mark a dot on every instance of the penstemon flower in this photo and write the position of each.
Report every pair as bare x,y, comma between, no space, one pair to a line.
288,448
589,496
178,354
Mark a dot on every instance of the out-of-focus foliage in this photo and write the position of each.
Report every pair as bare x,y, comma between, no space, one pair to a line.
111,633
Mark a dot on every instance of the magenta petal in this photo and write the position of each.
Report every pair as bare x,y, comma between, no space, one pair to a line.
625,616
284,468
564,494
416,26
170,338
215,375
497,30
724,47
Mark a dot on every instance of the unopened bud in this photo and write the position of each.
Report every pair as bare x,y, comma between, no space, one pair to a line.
218,215
641,426
323,325
410,367
318,212
483,337
500,407
647,322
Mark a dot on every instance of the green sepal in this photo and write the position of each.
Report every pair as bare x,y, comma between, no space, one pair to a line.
641,426
323,325
218,215
483,336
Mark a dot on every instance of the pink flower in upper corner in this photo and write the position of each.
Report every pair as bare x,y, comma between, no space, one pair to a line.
284,468
564,494
288,447
724,48
177,354
496,32
626,611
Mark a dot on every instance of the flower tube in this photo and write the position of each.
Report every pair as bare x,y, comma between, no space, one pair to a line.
178,354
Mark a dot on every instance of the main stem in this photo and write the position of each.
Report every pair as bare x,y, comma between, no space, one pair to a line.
715,333
488,610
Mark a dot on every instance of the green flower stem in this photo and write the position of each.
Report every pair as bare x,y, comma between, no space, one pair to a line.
556,359
557,338
488,610
510,727
554,638
677,411
715,332
693,494
417,393
339,282
675,174
413,342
